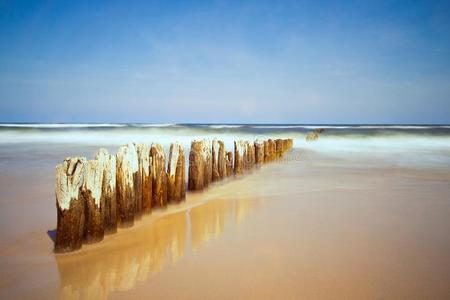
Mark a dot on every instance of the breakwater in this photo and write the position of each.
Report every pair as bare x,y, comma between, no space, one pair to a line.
95,197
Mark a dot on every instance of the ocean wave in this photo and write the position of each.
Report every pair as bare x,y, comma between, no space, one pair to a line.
351,126
224,126
155,125
60,125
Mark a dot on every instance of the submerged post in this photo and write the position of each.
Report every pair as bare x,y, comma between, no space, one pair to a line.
69,204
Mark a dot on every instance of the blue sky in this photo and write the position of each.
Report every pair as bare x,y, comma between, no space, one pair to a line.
225,61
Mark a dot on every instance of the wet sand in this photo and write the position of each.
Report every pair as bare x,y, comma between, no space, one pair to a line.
312,228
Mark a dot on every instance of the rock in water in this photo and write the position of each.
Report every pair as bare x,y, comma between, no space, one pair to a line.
218,160
239,151
69,204
159,176
108,198
126,172
91,191
196,166
259,152
144,159
176,174
229,164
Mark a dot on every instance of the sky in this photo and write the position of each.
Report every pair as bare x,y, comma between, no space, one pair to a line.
225,61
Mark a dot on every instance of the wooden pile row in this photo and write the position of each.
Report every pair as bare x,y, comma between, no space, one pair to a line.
94,197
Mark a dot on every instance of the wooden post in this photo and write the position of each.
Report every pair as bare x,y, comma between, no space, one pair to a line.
249,152
144,158
196,166
159,176
69,204
279,148
218,160
108,198
176,174
207,153
272,150
252,155
259,152
126,172
229,164
290,143
266,152
91,191
269,150
239,150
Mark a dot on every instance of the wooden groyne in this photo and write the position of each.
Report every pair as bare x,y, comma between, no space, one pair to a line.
95,197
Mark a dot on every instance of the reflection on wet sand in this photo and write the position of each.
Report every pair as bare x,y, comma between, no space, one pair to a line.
121,263
127,259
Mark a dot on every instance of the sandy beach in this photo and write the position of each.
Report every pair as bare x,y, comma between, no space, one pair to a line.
315,226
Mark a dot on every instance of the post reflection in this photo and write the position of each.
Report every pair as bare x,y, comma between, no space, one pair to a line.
135,256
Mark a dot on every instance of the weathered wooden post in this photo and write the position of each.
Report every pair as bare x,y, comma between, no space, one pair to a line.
272,150
249,152
144,158
196,166
176,174
229,164
108,198
126,171
218,160
239,149
290,143
279,148
159,176
266,151
259,152
91,191
207,152
69,204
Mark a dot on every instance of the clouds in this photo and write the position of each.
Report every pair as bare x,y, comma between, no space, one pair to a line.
225,62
